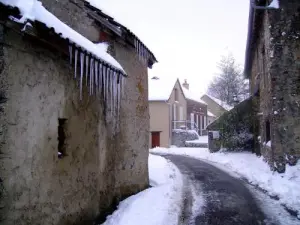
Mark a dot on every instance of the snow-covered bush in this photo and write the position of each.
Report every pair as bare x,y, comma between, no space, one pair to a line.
179,137
235,127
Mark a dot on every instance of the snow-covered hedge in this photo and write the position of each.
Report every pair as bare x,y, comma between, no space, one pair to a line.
179,137
236,127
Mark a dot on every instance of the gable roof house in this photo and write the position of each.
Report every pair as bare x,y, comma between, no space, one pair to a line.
273,67
69,93
215,106
167,106
196,110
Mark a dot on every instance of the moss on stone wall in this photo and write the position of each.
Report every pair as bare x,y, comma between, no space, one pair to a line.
235,127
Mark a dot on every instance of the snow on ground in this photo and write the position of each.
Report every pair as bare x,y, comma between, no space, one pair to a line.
276,214
202,139
255,170
159,205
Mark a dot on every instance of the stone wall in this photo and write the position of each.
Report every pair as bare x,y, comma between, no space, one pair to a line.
277,62
235,128
94,174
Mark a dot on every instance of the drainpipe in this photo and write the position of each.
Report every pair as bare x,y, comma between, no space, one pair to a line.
170,123
253,8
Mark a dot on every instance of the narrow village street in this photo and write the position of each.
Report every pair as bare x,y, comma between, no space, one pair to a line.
227,199
144,113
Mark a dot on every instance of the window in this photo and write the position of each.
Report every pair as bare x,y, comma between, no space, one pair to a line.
203,121
174,116
176,94
268,131
61,149
181,113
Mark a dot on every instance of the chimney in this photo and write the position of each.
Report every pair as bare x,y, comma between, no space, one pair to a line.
186,85
155,78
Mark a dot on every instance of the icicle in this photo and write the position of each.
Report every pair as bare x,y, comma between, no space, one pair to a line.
147,57
86,69
107,88
115,92
71,53
81,73
100,78
142,52
118,99
145,54
96,77
123,85
111,91
104,82
91,75
138,50
134,43
76,59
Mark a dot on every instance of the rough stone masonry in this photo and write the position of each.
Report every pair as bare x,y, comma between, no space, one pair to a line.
275,70
40,99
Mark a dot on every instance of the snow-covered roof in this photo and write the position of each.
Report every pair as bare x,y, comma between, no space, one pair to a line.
160,89
221,103
210,114
32,10
105,11
190,95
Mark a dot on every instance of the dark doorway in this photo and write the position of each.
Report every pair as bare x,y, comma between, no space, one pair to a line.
268,131
155,139
61,137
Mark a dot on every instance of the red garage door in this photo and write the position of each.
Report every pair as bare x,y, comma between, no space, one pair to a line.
155,139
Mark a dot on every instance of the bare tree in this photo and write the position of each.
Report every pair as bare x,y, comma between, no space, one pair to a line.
229,85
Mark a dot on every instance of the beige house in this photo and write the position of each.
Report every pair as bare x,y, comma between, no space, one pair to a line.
215,106
167,105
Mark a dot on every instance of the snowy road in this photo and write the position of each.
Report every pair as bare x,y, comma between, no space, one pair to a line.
223,199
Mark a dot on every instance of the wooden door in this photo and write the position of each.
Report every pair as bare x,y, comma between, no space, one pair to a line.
155,139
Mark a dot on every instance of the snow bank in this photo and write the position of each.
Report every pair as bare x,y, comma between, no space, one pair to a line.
202,139
255,170
158,205
33,10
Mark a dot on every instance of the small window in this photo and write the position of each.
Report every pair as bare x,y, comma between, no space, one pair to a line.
61,149
176,94
268,131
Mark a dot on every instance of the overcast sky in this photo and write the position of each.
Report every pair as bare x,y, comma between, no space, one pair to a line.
187,37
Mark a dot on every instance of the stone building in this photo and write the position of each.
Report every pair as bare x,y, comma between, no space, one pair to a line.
273,67
74,138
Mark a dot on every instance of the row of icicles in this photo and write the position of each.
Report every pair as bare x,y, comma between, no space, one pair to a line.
142,51
100,79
